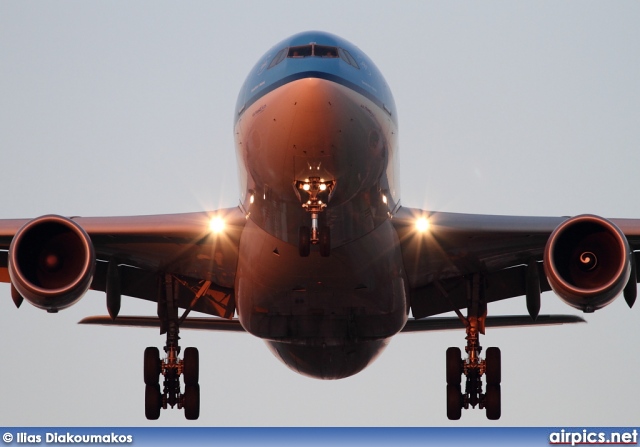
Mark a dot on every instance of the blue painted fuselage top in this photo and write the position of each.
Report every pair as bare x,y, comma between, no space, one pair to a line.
316,54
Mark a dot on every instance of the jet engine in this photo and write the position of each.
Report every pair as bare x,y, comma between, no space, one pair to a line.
587,261
51,262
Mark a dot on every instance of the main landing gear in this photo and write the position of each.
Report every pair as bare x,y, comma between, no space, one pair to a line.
474,367
171,367
314,187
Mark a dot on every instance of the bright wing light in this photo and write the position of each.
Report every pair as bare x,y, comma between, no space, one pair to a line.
216,225
422,224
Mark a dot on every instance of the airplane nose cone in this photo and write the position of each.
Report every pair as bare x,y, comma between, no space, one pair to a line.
312,82
317,94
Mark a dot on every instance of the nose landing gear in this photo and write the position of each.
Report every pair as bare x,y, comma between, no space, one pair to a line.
314,187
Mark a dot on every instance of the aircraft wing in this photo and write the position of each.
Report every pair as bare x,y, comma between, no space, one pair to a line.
458,245
143,247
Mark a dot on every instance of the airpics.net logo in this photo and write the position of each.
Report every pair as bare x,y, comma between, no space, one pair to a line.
586,437
66,438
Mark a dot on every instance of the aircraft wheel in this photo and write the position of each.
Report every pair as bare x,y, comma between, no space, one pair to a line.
492,402
191,370
152,365
325,241
191,402
304,241
493,366
152,401
454,366
454,402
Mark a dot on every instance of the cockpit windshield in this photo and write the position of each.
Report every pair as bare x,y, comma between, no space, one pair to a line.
313,50
302,51
322,51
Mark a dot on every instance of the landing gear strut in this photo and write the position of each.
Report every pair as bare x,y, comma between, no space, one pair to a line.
322,238
474,367
171,367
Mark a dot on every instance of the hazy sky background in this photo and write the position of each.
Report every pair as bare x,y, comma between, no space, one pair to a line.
505,107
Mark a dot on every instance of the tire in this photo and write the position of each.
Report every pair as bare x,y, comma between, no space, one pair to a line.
325,241
493,366
454,366
191,402
152,402
152,366
492,402
191,366
304,241
454,402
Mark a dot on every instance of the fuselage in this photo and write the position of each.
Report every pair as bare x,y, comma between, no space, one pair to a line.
315,108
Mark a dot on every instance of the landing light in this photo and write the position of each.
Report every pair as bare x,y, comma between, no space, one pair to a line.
422,224
216,225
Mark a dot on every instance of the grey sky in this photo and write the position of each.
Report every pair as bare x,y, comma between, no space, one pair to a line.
510,107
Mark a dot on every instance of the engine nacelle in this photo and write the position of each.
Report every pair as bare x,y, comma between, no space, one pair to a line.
587,261
51,262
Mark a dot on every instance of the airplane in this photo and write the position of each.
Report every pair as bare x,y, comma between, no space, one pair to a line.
320,259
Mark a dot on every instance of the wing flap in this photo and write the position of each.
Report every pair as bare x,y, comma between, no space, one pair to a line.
445,323
208,324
